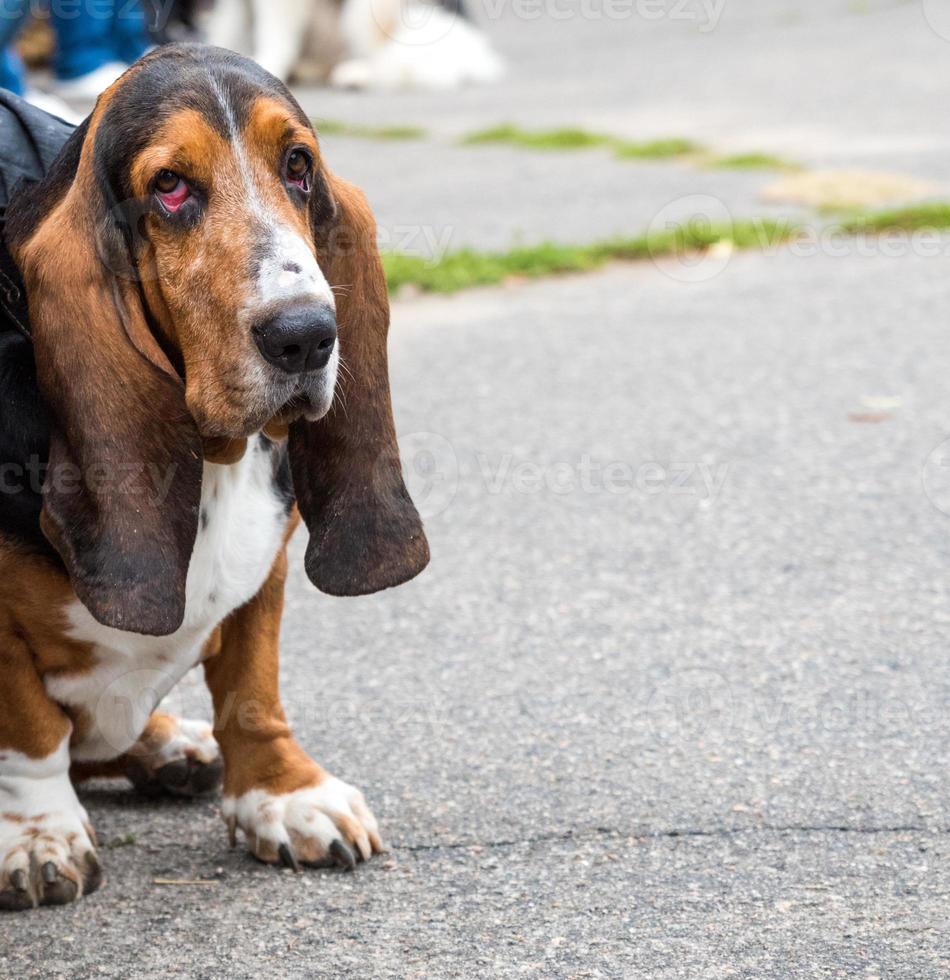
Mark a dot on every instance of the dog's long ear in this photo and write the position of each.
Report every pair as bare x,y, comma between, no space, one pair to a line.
365,533
123,484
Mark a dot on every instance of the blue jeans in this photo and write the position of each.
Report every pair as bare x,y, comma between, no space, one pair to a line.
12,15
90,33
11,71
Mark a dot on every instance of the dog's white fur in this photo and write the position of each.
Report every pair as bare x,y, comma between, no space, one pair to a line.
307,813
379,44
242,528
41,818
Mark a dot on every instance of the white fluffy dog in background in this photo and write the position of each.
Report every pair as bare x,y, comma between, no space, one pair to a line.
384,44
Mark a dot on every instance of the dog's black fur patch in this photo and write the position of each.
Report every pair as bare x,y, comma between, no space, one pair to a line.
24,444
31,141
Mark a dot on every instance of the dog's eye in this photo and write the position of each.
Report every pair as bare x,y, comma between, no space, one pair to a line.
298,168
166,181
171,189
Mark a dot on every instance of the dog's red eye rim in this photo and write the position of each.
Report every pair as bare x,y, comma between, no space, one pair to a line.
298,167
171,190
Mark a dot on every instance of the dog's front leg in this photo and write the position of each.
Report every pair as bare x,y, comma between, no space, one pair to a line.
47,847
290,810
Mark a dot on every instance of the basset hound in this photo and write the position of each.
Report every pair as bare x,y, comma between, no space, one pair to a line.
193,321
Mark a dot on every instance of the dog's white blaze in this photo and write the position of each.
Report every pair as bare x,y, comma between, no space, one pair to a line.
290,272
239,535
39,788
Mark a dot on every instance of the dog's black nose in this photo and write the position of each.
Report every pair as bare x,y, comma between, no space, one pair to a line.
299,339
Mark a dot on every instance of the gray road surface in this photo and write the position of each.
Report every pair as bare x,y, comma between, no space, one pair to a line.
617,730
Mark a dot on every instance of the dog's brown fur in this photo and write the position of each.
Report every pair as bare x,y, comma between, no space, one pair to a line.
149,368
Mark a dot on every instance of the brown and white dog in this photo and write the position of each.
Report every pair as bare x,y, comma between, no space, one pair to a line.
365,44
188,261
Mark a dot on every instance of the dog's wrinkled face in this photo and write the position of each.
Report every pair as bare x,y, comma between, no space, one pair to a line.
185,233
226,191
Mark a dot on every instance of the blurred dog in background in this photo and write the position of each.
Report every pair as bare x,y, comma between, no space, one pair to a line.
382,44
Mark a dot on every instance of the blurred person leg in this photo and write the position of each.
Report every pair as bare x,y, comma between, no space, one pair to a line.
130,31
12,15
87,60
11,71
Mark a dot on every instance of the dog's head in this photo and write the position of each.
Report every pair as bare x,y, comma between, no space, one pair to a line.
195,274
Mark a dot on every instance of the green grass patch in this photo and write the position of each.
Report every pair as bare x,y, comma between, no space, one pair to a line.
655,149
546,139
333,127
754,161
915,217
581,139
469,267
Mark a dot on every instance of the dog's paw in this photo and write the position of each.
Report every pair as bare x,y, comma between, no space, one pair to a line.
324,825
175,755
46,858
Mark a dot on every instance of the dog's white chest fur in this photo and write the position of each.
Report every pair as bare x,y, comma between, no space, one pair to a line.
242,523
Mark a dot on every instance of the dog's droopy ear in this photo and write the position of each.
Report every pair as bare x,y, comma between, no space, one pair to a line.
365,533
123,484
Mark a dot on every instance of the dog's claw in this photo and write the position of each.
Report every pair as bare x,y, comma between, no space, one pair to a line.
288,858
57,889
343,855
327,825
19,898
44,858
92,877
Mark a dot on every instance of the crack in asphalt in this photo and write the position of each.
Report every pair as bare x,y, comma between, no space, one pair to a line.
672,834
